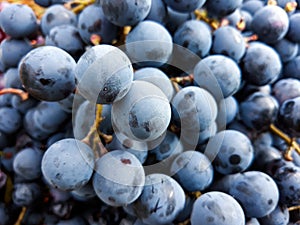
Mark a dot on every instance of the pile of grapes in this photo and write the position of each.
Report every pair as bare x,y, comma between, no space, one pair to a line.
150,112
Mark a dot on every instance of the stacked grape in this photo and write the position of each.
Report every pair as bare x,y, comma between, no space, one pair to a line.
150,112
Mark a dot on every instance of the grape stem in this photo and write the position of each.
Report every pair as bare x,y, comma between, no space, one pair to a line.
293,208
293,145
183,80
92,138
214,23
77,6
21,216
23,95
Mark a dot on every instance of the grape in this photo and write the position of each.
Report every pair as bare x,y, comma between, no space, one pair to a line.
156,77
257,192
92,21
18,20
119,178
231,150
56,15
223,7
185,6
49,116
169,146
25,194
158,11
23,106
288,116
293,30
149,44
286,89
195,36
10,120
12,78
196,108
279,216
258,111
161,201
253,221
287,178
192,164
228,108
261,64
175,19
121,142
229,41
84,193
217,208
128,13
13,50
270,23
27,163
104,73
224,183
3,140
252,6
68,164
143,114
47,73
265,156
218,73
292,68
67,38
286,49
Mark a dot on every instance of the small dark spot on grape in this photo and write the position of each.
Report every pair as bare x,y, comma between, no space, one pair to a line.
270,201
112,199
126,161
49,18
210,219
235,159
45,81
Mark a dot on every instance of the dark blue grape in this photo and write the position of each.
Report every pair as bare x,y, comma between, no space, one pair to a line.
47,3
218,73
67,103
92,21
270,23
231,151
47,73
25,194
185,6
121,142
18,20
252,6
195,36
12,78
3,140
292,68
252,221
279,216
27,163
68,164
265,156
66,37
288,180
128,13
54,138
149,44
161,201
143,114
224,183
228,109
223,7
286,49
212,208
175,19
294,30
119,178
13,50
257,192
196,109
286,89
10,120
8,157
104,74
258,111
156,77
288,116
23,106
158,12
56,15
192,164
261,64
228,41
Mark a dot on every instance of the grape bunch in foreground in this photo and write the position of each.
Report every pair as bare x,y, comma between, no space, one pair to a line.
150,112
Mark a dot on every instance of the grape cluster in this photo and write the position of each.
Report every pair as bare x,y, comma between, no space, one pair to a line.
150,112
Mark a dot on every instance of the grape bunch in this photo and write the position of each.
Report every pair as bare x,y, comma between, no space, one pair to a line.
150,112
